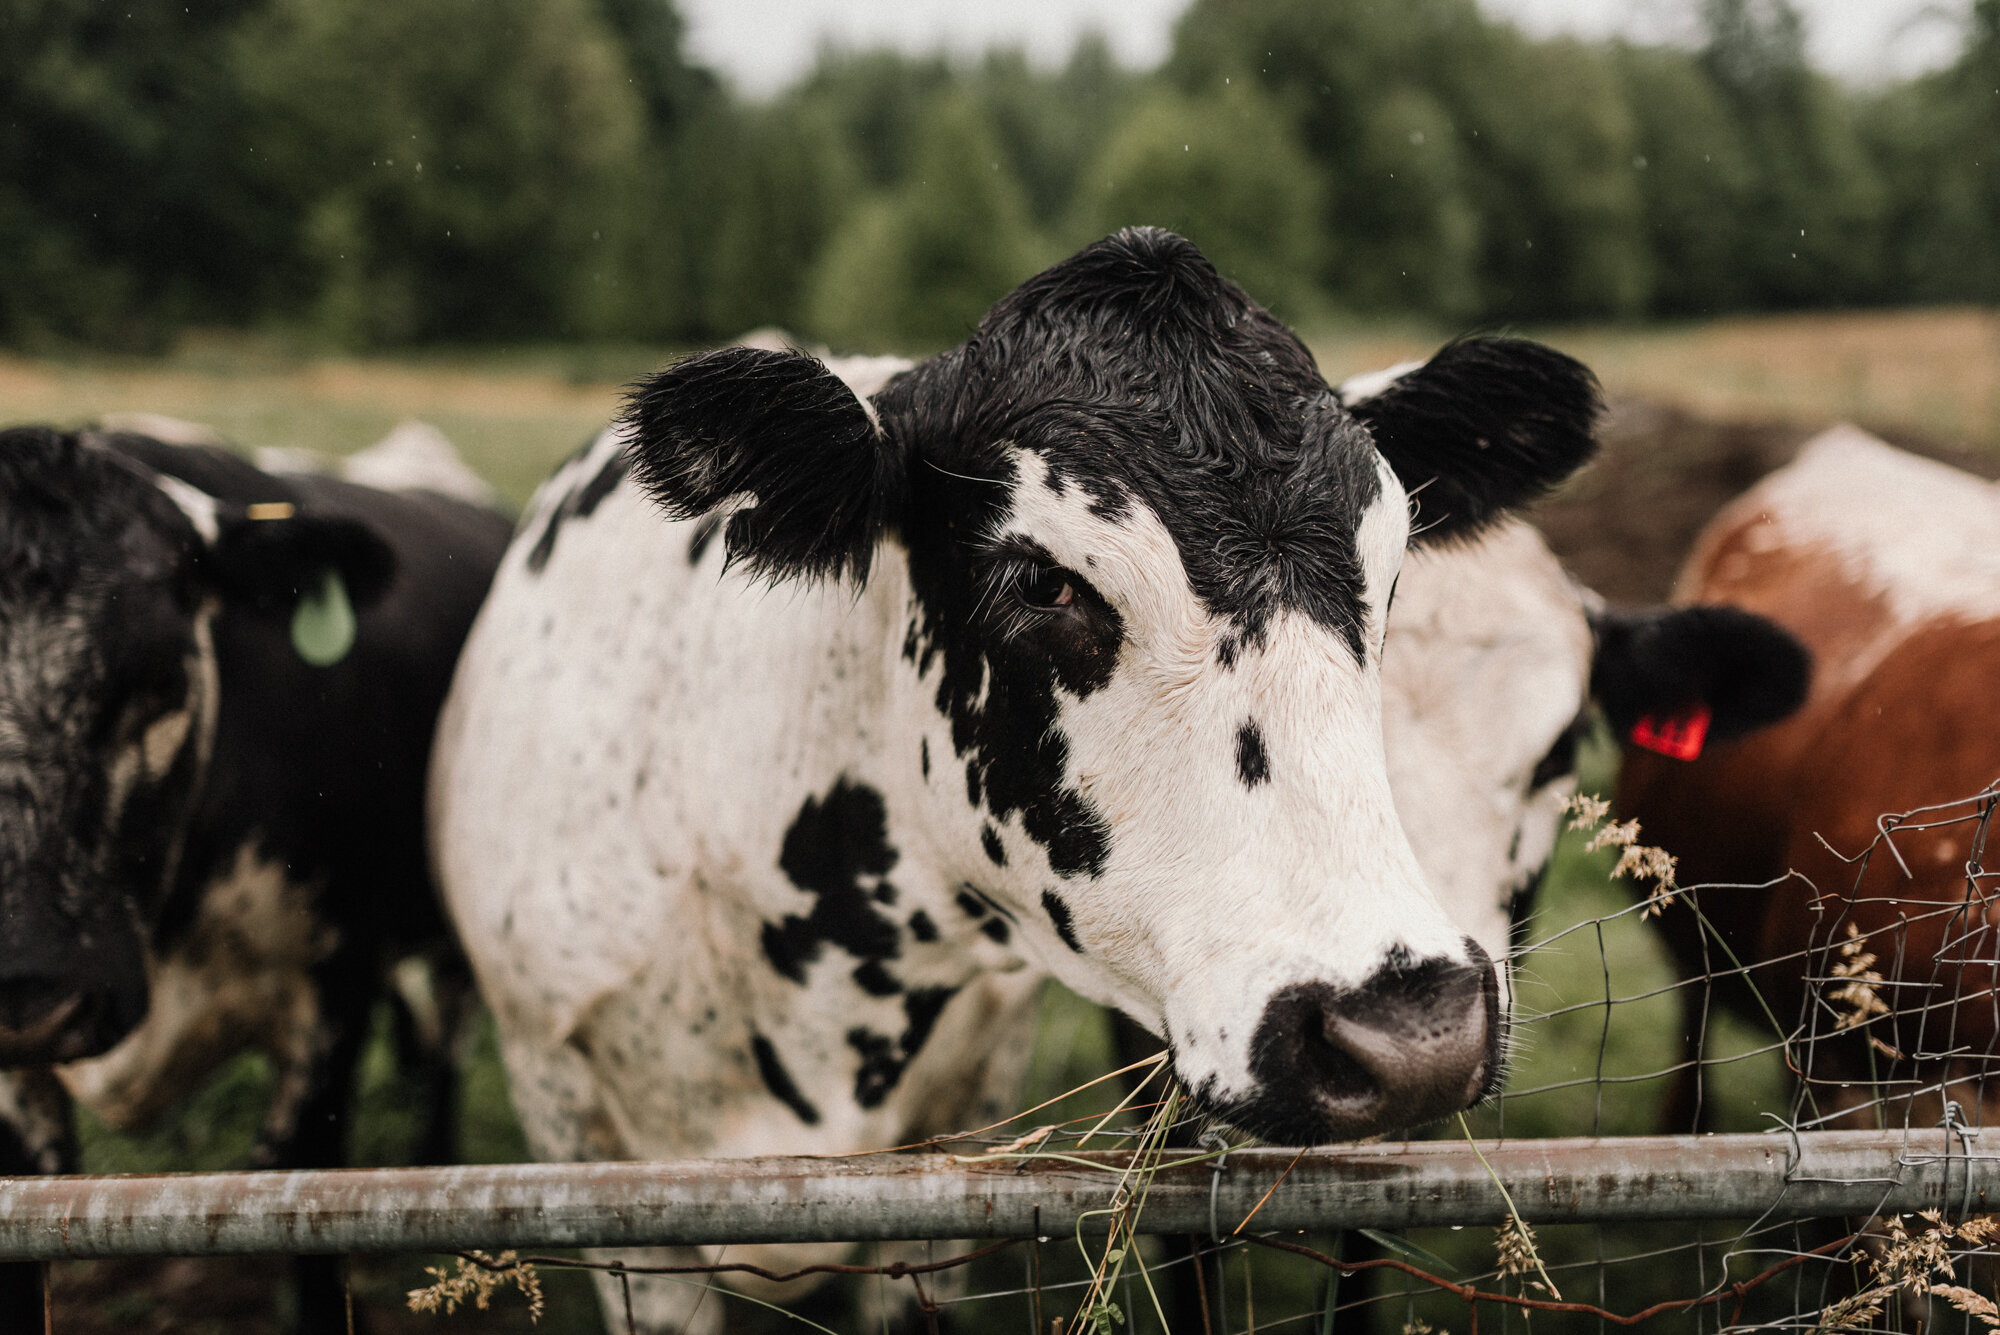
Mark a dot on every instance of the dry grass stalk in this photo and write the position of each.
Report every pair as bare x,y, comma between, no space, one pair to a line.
1635,860
1856,999
1023,1142
1913,1263
475,1280
1514,1247
1099,1314
1514,1241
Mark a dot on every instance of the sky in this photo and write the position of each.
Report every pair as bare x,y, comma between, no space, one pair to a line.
762,45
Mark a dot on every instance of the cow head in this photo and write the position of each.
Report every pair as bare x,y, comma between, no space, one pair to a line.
111,580
1142,557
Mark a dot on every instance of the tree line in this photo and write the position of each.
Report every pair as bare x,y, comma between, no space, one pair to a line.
464,170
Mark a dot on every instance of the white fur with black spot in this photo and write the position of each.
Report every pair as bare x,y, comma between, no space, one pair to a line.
631,735
1487,664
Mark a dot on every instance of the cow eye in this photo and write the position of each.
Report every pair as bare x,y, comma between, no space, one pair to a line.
1045,587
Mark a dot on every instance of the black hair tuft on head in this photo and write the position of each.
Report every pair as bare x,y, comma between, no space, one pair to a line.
67,509
781,428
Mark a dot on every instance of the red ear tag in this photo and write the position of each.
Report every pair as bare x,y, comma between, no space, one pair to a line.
1677,735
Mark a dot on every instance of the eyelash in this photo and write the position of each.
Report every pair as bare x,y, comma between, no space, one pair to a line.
1010,613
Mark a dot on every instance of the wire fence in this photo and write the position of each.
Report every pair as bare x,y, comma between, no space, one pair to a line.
1838,1071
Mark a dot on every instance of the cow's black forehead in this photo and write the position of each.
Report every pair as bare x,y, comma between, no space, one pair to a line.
70,512
1136,371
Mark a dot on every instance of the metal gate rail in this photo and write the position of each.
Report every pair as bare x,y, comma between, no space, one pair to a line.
896,1196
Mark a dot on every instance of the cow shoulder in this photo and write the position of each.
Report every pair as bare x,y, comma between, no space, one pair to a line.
1849,546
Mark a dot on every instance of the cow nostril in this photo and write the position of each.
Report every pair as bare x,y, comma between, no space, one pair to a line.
1332,1061
46,1020
37,1016
32,1003
1411,1045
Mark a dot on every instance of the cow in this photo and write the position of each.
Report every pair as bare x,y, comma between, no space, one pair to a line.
1059,653
1886,566
218,688
1496,667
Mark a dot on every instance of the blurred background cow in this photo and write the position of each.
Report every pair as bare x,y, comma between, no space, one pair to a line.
1854,827
217,692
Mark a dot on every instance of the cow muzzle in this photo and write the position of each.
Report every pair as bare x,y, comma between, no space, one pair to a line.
1411,1045
44,1021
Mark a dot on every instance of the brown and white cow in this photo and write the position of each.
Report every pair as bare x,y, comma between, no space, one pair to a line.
1888,567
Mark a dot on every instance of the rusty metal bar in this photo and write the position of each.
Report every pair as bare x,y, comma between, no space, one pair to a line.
1831,1173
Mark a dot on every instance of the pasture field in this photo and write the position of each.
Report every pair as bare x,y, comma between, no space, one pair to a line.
1932,373
1733,395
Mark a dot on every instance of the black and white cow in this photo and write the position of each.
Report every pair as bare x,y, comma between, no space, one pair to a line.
1497,663
1495,666
1061,653
218,689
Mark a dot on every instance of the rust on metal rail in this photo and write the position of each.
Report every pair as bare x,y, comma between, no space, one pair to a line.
1828,1173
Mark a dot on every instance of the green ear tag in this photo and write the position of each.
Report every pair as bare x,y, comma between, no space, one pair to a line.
323,623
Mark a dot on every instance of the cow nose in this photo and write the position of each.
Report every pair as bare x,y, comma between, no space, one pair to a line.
44,1020
1414,1043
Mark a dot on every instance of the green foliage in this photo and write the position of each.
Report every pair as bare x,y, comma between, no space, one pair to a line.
793,185
1224,171
1051,126
917,267
1814,234
1756,48
370,174
455,164
1360,85
121,211
1938,140
1046,125
1695,177
1557,176
1414,231
649,35
875,103
1469,171
1810,231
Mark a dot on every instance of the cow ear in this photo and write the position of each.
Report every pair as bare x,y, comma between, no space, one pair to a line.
1738,668
1485,425
277,555
782,429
